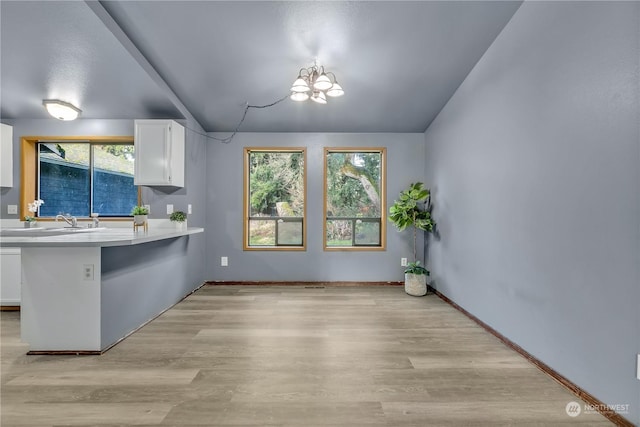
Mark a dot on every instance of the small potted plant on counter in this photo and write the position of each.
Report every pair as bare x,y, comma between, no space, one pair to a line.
31,221
179,218
140,215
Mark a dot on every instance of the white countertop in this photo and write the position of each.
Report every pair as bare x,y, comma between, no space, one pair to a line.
101,238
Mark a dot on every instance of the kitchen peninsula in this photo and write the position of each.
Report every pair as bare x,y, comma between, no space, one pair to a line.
83,292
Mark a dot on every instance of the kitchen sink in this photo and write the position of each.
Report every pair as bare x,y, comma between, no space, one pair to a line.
45,232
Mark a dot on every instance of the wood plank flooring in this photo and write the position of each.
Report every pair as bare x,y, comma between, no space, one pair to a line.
287,356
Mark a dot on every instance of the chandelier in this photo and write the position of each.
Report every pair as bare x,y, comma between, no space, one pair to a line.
315,84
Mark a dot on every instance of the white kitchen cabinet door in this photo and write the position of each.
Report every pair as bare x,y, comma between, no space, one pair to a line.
6,155
159,147
10,276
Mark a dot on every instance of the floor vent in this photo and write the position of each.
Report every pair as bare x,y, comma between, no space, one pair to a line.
314,287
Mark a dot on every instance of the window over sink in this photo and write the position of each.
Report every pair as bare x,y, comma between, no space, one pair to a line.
79,176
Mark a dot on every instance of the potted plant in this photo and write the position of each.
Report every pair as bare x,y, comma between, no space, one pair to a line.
412,209
32,220
180,219
140,215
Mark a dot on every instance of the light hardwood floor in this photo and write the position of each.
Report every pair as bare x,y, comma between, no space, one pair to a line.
288,356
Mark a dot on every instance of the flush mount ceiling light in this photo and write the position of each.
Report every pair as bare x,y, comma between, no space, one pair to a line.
316,84
61,110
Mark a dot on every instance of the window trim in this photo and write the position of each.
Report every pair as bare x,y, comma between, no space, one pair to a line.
245,198
29,168
383,199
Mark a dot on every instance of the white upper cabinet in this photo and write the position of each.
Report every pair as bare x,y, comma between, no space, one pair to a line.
6,156
159,147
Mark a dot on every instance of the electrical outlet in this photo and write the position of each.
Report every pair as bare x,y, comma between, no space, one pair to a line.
148,207
87,272
403,262
169,209
189,210
224,261
12,209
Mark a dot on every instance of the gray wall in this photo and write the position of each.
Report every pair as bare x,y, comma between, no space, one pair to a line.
405,164
157,198
535,166
139,282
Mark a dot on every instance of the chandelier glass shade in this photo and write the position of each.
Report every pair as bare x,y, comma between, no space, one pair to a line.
299,96
318,97
316,84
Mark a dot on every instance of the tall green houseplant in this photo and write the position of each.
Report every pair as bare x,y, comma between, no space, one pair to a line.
412,209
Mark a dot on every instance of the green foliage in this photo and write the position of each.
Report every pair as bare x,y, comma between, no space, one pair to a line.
61,151
262,233
178,216
412,209
120,150
407,210
139,210
416,268
346,196
276,177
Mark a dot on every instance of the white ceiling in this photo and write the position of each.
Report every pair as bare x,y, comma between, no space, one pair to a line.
399,62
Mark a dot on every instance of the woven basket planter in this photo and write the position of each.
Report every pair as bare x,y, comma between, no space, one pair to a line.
415,284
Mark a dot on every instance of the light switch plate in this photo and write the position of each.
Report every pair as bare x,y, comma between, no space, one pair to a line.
169,209
189,210
224,261
12,209
148,207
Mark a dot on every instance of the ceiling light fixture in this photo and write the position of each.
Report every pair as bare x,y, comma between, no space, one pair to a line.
61,110
315,83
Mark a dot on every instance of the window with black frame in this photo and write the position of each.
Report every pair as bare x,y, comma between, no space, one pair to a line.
274,198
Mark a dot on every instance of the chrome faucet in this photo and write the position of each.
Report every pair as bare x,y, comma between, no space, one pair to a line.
69,219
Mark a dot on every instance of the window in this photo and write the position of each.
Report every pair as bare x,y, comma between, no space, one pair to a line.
274,199
354,199
80,177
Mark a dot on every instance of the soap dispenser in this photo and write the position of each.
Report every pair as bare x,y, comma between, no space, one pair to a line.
96,221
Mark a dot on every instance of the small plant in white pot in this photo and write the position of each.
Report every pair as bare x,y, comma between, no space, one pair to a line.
412,209
140,215
31,221
179,218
